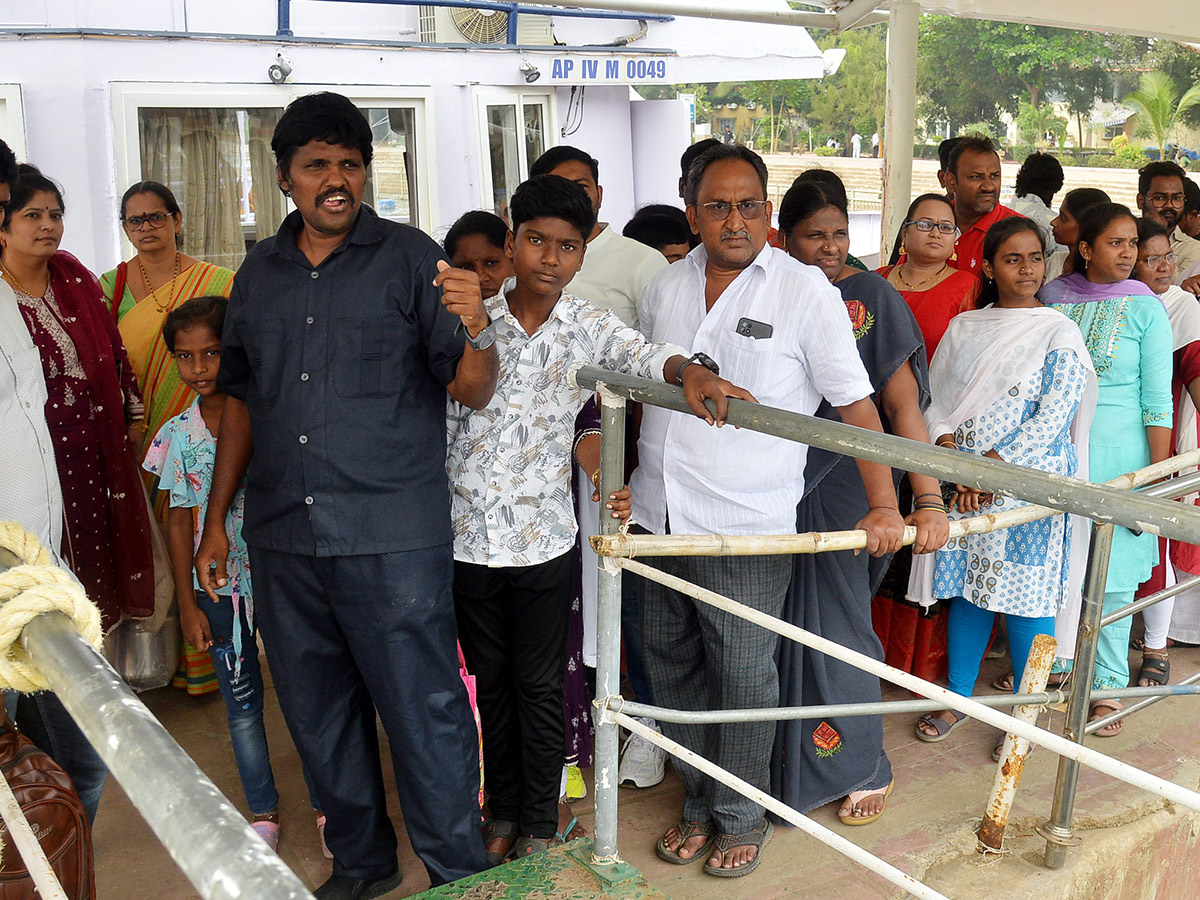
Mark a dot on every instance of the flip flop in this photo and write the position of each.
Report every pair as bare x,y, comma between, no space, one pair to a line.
940,725
1004,683
687,830
564,836
856,797
1109,707
758,838
268,831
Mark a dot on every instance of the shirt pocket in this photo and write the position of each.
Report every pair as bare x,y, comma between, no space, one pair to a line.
747,361
268,358
365,348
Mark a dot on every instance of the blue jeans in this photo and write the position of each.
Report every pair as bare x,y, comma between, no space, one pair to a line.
47,723
243,702
970,627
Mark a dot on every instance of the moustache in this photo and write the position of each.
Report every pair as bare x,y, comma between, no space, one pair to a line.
335,192
741,233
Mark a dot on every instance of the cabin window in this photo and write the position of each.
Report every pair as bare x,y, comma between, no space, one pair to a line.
514,136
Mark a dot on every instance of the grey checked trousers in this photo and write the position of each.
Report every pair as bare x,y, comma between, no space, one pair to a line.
699,657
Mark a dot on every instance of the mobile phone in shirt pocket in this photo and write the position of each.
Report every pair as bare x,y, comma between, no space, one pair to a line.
753,329
363,344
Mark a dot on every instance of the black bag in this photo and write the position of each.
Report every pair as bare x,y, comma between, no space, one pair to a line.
48,799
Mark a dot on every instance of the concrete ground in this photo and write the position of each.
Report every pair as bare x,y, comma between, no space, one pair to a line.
1134,845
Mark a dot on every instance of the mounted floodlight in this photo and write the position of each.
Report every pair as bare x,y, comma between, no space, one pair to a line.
279,70
530,72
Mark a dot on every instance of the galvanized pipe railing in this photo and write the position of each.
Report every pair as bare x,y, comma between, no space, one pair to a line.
207,837
1098,502
886,707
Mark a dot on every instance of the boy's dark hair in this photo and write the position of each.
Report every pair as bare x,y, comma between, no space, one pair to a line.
691,154
552,197
657,225
1042,175
208,311
556,156
8,165
1162,169
1080,199
971,143
824,177
717,154
997,235
323,116
150,187
477,221
28,182
1094,222
945,148
1148,228
804,199
1191,196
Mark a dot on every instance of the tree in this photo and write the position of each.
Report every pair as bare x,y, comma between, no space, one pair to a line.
1035,122
971,69
854,99
1160,107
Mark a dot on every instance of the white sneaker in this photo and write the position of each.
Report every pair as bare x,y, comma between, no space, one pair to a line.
642,763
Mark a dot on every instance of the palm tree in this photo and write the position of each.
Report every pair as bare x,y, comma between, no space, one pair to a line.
1158,103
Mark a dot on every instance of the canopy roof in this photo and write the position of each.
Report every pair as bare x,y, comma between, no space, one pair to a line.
1177,20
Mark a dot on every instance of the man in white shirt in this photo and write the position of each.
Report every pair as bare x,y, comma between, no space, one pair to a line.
616,269
30,494
1038,180
1161,199
777,328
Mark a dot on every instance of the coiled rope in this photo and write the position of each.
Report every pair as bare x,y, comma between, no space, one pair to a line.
34,587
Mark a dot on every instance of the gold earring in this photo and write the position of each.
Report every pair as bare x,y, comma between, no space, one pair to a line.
903,249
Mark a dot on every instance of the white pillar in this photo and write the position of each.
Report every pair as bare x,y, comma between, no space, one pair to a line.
899,127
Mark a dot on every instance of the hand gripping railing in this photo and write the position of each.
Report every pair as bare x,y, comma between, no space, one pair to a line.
1105,504
207,837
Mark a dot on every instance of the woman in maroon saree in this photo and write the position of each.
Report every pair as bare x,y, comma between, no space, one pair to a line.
93,404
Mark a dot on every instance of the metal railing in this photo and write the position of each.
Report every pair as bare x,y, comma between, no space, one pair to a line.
207,837
1107,505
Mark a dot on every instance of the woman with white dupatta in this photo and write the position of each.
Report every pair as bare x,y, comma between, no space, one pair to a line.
1178,618
1011,381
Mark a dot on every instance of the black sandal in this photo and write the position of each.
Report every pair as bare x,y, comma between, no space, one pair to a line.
687,831
494,829
1155,669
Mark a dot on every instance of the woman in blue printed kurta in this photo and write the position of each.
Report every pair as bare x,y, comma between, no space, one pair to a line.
1128,335
1011,381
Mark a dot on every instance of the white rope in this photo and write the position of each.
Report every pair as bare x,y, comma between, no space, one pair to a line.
1004,722
28,846
28,590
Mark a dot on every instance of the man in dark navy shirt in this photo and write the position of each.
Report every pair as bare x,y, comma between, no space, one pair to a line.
343,336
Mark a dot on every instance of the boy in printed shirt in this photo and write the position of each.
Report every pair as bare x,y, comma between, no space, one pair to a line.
511,506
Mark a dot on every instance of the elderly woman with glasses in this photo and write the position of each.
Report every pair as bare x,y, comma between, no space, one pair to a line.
934,290
1177,618
140,294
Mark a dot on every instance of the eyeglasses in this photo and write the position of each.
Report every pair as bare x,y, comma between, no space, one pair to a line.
1166,199
1158,259
719,210
137,223
927,225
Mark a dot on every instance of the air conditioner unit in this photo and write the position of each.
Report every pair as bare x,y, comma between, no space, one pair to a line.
443,25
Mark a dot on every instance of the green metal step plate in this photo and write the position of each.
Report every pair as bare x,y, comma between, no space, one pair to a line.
565,872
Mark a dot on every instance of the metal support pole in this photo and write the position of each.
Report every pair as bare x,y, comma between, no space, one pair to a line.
1015,750
1057,830
209,840
283,27
734,10
1157,597
608,636
899,119
1150,700
1100,503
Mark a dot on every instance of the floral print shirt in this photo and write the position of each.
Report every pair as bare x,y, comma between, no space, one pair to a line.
182,455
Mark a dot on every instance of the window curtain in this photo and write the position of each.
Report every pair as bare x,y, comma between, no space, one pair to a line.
197,154
266,199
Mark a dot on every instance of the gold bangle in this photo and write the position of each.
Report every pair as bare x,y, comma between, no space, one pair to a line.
596,478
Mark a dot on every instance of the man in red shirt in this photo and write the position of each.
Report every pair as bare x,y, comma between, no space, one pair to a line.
973,180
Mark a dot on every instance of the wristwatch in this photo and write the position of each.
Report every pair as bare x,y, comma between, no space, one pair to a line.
485,338
700,358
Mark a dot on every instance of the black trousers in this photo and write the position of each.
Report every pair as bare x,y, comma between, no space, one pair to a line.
346,636
512,622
